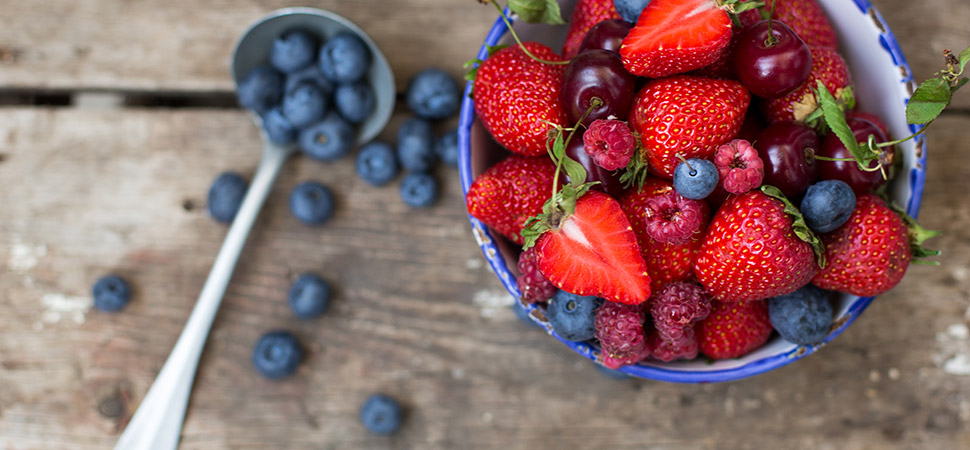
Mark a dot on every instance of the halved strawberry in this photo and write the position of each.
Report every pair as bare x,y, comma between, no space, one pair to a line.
676,36
593,251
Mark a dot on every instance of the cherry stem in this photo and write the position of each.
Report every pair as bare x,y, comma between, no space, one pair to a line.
771,40
508,24
594,103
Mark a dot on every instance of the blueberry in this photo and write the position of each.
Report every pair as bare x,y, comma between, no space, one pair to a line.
571,315
292,51
827,205
226,196
309,75
277,354
344,58
311,203
309,296
695,179
446,148
111,293
802,317
433,94
354,101
381,414
415,145
304,105
376,163
278,128
260,89
419,190
630,9
328,140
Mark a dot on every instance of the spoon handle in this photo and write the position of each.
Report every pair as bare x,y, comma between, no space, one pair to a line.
157,424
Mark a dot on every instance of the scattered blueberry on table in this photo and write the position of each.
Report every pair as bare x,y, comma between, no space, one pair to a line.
446,148
381,414
111,293
377,163
419,190
415,145
312,203
226,196
433,94
277,354
309,296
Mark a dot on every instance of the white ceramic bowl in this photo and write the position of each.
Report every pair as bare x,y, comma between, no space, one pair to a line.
883,84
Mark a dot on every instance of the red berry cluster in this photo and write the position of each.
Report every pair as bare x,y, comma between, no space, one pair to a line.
680,275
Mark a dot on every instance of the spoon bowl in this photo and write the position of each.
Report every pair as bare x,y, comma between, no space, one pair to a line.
252,50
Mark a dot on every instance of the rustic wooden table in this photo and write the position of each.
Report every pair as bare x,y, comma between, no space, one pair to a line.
115,117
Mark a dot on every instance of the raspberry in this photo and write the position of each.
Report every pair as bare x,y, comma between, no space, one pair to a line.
683,348
609,143
533,286
619,328
739,166
672,218
677,307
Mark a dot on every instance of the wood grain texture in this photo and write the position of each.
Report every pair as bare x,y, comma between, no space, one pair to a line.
417,314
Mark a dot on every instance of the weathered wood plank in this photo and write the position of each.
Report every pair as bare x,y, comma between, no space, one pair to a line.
180,46
417,315
183,46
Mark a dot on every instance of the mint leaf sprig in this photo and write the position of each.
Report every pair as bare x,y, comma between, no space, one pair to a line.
927,102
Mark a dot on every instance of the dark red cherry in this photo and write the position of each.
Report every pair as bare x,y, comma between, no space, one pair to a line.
609,180
596,74
787,150
848,171
606,35
770,59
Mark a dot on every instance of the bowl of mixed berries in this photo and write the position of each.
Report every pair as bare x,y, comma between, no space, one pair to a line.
694,190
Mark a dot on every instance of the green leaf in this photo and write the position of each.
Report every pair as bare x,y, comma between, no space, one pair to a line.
959,84
537,11
835,119
928,101
964,58
917,235
471,67
798,225
574,170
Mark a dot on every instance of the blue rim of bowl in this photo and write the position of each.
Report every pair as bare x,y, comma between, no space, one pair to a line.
590,351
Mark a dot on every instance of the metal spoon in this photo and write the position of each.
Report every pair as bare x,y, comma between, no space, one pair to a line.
157,423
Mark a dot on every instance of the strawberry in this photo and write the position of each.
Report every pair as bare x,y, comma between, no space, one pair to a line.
686,116
517,97
869,254
805,17
676,36
666,262
586,14
827,67
734,329
510,192
751,250
593,251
